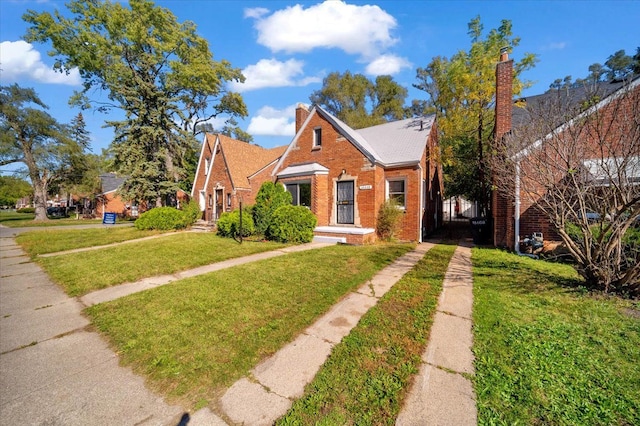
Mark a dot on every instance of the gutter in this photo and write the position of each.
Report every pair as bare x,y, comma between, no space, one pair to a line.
517,209
421,209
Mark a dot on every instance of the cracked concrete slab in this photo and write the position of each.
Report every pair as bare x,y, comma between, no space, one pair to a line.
249,403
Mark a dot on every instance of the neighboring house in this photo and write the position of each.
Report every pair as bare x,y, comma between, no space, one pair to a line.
109,201
345,175
229,172
518,216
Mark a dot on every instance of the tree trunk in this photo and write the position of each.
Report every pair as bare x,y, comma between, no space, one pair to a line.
39,184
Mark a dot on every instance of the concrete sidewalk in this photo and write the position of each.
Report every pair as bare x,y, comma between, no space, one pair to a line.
442,394
52,369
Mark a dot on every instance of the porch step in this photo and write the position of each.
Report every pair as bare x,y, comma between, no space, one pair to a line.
330,240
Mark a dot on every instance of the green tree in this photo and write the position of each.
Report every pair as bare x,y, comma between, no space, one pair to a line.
12,189
360,102
619,65
461,90
158,71
31,136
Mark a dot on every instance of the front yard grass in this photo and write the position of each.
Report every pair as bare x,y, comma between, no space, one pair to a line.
82,273
549,352
20,220
57,240
368,374
193,338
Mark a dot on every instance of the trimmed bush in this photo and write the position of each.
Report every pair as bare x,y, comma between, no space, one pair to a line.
26,210
164,218
292,224
191,212
270,197
229,224
389,217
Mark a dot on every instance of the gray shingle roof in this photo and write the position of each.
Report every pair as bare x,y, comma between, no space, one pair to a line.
395,143
110,182
399,142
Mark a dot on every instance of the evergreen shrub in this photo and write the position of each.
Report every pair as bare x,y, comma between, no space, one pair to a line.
192,212
389,217
292,224
26,210
163,218
229,224
269,198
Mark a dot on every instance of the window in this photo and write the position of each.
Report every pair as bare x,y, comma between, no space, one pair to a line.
396,191
210,200
300,193
317,137
228,199
207,163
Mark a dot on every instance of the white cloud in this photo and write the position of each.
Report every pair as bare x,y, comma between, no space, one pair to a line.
360,30
273,73
256,12
557,45
273,122
19,60
387,65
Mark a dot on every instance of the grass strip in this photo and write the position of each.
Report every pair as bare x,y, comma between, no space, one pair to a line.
549,352
26,220
193,338
82,273
57,240
368,374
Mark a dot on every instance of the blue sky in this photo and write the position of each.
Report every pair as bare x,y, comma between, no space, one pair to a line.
286,48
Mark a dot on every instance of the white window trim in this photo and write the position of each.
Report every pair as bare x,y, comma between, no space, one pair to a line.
403,179
315,139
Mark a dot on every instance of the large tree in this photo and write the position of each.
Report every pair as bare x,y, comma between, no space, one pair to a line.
461,90
577,163
158,71
29,135
359,101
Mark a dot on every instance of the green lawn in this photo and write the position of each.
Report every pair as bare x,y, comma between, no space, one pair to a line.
193,338
57,240
82,273
548,352
20,220
368,374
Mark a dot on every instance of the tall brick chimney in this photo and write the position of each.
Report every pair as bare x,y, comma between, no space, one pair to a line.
501,208
301,115
504,94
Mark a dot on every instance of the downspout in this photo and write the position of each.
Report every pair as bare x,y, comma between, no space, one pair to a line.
516,213
421,209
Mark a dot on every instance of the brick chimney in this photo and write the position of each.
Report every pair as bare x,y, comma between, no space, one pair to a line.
504,94
501,208
301,115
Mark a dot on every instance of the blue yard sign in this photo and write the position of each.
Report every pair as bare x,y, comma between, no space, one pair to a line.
109,219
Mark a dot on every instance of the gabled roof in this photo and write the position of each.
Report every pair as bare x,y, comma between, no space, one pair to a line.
399,142
571,98
110,182
244,159
613,91
391,144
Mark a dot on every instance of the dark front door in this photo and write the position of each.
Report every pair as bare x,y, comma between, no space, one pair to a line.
345,202
218,203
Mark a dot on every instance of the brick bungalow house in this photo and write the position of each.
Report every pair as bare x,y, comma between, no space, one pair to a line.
344,175
518,215
109,201
230,171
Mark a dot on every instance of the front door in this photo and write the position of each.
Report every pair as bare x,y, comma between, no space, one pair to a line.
219,204
345,202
